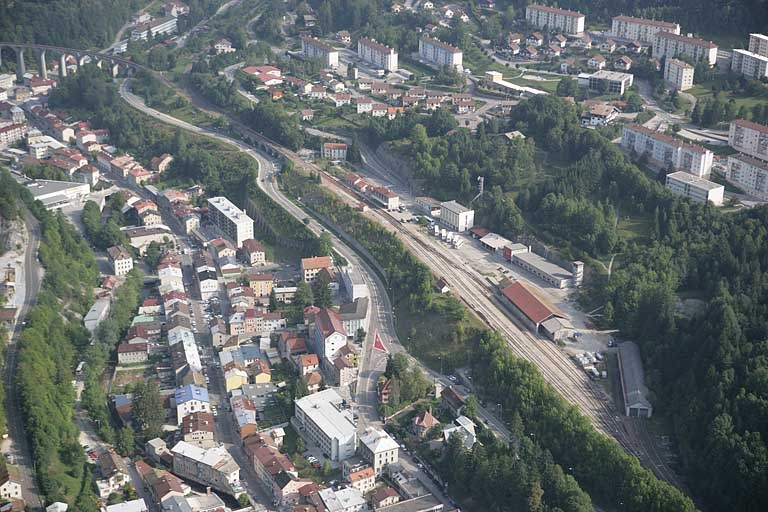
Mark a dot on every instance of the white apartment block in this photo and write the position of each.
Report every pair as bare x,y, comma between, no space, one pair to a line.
213,467
749,174
323,419
758,43
438,53
665,151
378,448
749,64
121,259
640,29
231,220
380,55
749,138
313,48
667,44
456,217
696,189
678,74
154,28
541,16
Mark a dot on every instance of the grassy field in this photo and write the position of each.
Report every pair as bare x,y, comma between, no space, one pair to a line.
704,91
548,84
634,228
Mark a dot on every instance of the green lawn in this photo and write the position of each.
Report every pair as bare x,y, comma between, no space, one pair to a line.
548,84
634,228
704,91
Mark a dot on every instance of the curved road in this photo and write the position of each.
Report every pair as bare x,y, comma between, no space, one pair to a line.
20,447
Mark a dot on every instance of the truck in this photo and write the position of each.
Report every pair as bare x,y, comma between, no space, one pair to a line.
457,242
449,237
443,233
437,230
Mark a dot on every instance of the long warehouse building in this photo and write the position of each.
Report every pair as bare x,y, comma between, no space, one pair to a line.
633,389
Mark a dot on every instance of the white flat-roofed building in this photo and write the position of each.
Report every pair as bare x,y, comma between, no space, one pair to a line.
354,283
231,220
428,205
617,82
138,505
540,16
544,269
494,242
758,44
640,29
380,55
749,174
213,467
633,387
343,500
696,189
438,53
378,448
665,151
749,64
667,44
313,48
456,217
55,194
749,137
160,26
323,419
678,74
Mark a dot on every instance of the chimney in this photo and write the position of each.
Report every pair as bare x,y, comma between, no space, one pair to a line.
208,490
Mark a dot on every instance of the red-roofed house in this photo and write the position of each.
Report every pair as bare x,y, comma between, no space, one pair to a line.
308,363
328,334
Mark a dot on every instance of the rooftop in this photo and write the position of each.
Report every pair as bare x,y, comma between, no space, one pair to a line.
378,441
555,10
529,304
190,392
217,457
643,21
426,502
317,262
680,63
495,241
751,125
694,180
441,44
372,43
663,137
454,207
322,409
227,208
632,378
354,310
686,39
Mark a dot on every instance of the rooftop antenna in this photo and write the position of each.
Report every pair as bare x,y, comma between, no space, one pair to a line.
481,188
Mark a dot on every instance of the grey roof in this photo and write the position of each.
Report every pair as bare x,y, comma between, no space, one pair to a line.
453,206
632,379
354,310
176,504
555,323
544,265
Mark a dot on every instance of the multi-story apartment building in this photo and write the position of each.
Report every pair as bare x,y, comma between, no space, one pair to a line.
751,65
121,260
189,399
678,74
323,419
750,174
667,44
758,44
749,138
231,220
378,449
213,467
696,189
380,55
438,53
160,26
640,29
334,151
541,16
665,151
313,48
310,267
456,217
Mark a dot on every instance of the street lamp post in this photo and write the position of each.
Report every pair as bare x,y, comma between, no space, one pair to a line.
501,411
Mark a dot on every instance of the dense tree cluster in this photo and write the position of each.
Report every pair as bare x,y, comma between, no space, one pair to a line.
407,385
104,230
63,22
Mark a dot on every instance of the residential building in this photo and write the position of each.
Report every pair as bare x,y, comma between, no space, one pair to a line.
749,64
138,505
231,220
176,8
623,63
308,363
758,44
261,283
378,448
640,29
328,334
667,44
234,377
313,381
380,55
343,500
438,53
198,428
324,419
464,428
276,471
121,260
749,138
697,189
749,174
223,46
152,29
633,387
364,480
600,114
114,474
354,316
310,267
541,16
612,82
208,284
456,217
10,483
385,197
313,48
422,422
160,164
666,152
334,151
353,283
678,74
129,353
384,497
608,46
12,133
189,399
213,467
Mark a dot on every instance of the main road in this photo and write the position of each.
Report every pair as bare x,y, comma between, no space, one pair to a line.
20,446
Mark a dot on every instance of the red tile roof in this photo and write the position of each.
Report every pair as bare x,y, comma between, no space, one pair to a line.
531,306
328,321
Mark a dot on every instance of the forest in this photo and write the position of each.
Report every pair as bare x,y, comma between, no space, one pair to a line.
69,23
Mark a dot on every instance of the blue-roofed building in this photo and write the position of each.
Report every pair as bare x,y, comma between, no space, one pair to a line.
244,355
189,399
